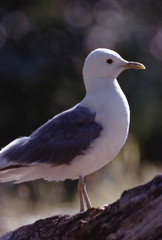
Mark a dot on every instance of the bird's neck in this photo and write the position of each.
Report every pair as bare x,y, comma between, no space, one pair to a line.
104,95
99,85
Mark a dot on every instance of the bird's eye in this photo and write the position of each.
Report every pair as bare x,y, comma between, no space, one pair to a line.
109,61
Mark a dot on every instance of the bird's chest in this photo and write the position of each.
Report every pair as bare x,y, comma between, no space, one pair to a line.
112,113
114,116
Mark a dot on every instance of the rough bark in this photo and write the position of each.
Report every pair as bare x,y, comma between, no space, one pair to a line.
137,215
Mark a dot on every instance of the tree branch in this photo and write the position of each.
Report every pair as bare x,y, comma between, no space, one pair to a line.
137,215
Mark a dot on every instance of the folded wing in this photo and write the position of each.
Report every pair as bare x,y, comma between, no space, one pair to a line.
56,142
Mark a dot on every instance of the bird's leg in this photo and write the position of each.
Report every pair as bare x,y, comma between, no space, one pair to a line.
80,187
80,197
83,193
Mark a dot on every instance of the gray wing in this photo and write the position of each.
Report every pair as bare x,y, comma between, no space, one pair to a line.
56,142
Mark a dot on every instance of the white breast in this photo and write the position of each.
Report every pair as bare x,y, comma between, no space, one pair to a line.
114,115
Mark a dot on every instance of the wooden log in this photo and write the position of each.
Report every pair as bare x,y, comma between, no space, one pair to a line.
137,215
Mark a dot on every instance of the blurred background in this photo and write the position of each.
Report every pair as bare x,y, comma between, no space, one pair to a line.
43,45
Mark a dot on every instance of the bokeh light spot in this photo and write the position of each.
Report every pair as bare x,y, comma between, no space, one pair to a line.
100,37
78,15
16,24
156,45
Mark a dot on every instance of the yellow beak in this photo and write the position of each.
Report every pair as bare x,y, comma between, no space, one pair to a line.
135,65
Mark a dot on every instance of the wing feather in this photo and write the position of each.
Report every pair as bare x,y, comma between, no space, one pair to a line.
56,142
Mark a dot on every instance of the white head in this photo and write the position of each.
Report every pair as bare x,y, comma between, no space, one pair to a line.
105,64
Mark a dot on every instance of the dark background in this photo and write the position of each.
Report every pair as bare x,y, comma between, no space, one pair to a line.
43,45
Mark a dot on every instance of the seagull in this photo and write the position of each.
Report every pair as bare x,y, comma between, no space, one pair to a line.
78,141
